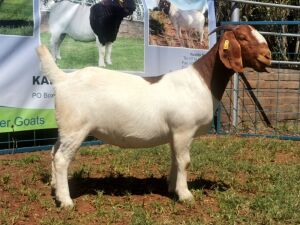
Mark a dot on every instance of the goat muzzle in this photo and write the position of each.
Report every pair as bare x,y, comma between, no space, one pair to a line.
265,59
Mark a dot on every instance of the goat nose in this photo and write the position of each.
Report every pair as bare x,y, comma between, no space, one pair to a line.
268,55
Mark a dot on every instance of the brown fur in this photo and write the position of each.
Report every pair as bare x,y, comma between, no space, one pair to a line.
219,64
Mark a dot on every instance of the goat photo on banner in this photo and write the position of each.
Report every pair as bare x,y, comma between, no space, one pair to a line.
103,33
178,23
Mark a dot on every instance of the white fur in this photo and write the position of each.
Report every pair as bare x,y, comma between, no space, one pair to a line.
258,36
127,111
188,20
73,19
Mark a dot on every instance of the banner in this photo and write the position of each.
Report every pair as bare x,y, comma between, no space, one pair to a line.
149,43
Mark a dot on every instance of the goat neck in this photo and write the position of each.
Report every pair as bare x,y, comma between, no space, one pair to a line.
213,72
173,10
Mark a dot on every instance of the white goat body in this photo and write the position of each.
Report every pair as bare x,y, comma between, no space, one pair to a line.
128,103
73,19
127,111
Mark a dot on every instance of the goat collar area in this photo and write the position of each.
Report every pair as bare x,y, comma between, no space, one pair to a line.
213,72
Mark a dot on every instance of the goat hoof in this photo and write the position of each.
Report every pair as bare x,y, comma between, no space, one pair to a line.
66,205
186,197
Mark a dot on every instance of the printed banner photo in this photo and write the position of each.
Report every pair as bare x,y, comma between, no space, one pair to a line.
141,37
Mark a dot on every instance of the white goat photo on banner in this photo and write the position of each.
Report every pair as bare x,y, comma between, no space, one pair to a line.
178,23
101,33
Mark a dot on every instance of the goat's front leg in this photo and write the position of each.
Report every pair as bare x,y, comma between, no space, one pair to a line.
108,47
55,42
101,51
180,150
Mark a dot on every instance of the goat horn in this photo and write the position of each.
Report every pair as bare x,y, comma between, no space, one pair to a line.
223,27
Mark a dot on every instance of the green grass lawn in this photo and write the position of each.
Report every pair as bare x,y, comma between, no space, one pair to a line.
127,54
234,181
16,10
21,31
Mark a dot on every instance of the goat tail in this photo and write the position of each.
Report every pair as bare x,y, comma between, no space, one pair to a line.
49,67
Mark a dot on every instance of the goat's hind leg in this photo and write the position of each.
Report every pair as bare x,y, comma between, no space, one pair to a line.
180,162
55,41
60,40
201,36
101,51
53,172
61,160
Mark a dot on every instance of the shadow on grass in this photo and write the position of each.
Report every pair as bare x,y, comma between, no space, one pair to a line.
121,186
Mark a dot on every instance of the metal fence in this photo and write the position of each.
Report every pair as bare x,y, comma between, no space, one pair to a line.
261,104
254,104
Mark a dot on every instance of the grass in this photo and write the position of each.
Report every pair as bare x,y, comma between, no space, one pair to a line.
234,181
21,31
127,53
17,10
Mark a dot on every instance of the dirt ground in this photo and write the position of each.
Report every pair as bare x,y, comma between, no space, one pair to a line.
126,186
105,197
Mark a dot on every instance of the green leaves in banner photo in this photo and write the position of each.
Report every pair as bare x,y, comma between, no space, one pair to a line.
17,119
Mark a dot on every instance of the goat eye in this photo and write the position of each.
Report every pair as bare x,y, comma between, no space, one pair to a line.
242,37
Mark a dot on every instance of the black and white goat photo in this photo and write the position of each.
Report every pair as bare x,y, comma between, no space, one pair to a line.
72,26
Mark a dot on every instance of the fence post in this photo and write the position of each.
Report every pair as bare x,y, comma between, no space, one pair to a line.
235,17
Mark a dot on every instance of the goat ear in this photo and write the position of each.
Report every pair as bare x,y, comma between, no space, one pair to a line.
230,52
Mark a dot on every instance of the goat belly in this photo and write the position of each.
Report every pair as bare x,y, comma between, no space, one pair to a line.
105,22
133,135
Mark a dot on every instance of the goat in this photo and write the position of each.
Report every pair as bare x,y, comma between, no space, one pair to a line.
105,19
131,111
85,23
186,19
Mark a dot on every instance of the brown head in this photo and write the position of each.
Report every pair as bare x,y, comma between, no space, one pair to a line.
243,46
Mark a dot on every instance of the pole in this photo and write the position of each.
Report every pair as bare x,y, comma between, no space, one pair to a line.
267,4
235,17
